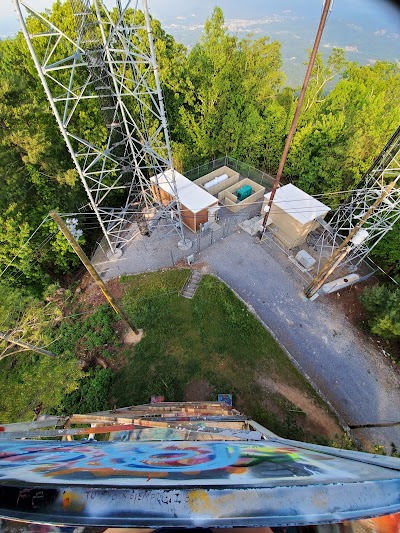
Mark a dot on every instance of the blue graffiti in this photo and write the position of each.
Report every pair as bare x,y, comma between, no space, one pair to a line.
161,457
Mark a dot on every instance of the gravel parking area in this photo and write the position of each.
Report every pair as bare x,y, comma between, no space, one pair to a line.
350,372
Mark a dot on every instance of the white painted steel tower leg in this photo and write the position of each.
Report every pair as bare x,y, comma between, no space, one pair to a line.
112,63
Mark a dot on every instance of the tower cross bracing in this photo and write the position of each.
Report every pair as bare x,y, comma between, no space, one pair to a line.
102,82
383,171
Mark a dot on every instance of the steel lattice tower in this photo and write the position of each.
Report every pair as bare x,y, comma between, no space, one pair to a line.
384,170
108,71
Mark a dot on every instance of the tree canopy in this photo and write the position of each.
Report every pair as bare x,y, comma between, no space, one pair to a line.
231,94
225,96
341,134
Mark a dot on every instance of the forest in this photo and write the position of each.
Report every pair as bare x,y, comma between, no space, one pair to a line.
226,96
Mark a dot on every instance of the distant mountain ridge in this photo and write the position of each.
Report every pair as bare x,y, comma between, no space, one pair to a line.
367,30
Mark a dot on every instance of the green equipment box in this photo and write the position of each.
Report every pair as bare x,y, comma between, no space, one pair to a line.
243,192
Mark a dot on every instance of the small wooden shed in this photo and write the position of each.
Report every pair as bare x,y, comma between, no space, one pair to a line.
294,214
196,203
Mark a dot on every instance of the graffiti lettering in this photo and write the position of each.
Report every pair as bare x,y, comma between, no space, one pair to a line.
147,497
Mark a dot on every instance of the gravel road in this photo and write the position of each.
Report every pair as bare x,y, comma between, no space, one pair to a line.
352,375
350,372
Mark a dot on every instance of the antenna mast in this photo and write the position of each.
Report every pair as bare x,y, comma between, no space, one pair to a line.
380,181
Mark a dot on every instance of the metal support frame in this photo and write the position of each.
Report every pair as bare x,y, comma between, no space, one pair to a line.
384,170
107,71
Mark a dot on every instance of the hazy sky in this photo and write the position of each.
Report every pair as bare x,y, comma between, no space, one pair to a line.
383,11
368,30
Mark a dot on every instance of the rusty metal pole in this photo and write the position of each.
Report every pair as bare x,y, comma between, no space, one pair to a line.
90,268
292,130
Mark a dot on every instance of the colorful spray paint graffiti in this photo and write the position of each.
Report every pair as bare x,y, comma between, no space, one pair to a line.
187,483
172,461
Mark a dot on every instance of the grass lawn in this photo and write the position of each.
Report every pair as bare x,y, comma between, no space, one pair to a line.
196,347
212,338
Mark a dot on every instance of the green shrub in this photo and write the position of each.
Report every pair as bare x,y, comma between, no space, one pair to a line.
27,381
91,395
383,305
83,333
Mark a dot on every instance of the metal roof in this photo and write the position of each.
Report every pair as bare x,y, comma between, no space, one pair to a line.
190,195
298,204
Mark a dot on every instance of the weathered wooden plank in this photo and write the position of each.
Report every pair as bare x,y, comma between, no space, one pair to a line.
36,424
209,432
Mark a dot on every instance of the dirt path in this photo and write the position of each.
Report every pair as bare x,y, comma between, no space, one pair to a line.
320,421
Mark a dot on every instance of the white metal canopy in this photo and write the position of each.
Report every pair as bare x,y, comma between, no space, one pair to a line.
298,204
190,195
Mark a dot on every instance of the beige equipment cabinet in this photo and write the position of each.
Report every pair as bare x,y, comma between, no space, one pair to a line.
293,215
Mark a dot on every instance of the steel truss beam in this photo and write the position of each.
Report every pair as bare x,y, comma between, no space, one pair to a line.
102,83
384,170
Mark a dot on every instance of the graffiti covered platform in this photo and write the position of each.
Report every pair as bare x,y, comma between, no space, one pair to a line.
184,464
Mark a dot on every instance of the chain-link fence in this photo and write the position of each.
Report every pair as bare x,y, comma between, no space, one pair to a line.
228,224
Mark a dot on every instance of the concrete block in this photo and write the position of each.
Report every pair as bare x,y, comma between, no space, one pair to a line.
305,259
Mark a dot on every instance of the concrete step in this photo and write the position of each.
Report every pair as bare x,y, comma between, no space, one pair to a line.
191,288
191,285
